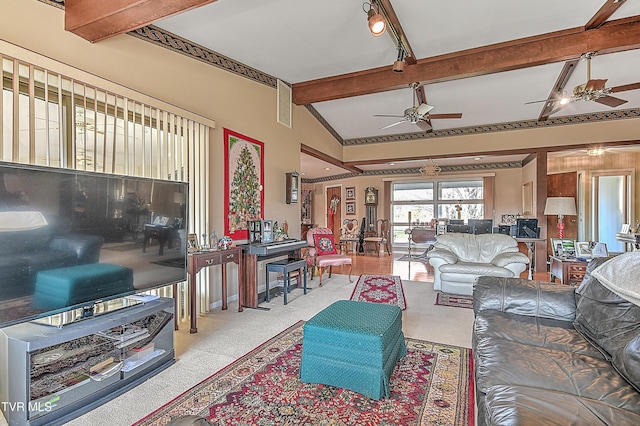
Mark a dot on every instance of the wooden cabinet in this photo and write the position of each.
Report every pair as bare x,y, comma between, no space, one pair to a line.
568,271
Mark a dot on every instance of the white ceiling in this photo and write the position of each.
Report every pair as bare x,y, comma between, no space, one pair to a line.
298,41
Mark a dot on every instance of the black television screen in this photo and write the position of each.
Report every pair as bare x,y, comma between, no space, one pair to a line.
481,226
527,228
70,238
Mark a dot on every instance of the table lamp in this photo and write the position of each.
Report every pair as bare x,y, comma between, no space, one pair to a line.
561,206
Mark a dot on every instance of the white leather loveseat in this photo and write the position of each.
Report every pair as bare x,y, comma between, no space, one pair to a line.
458,259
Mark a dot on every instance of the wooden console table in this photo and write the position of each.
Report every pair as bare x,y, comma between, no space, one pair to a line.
569,271
202,259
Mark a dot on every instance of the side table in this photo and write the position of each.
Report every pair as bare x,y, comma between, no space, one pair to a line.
568,271
202,259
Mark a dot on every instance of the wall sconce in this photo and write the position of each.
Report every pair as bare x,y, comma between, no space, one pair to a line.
377,24
561,206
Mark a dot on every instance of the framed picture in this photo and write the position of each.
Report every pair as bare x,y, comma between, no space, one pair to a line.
350,193
565,247
192,242
350,207
509,219
243,183
583,249
527,198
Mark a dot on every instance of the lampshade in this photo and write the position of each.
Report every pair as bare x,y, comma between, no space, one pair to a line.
560,206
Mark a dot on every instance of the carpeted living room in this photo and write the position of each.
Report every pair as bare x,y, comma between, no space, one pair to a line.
167,166
254,358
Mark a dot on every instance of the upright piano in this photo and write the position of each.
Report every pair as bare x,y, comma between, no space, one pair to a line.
254,253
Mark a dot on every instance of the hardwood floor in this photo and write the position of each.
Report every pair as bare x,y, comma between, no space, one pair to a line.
390,265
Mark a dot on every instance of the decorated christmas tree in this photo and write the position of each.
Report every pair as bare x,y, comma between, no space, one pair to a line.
244,197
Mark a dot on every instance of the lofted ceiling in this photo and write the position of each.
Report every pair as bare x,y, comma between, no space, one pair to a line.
469,55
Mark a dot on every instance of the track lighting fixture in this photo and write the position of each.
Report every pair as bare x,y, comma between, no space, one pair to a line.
398,65
377,24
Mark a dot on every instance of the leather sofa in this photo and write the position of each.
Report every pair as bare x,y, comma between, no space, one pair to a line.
458,259
549,354
43,246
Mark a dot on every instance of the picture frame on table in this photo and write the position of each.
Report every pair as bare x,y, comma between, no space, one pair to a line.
192,242
563,247
583,249
350,208
350,193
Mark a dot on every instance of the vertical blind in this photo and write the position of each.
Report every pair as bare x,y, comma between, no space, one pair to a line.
56,120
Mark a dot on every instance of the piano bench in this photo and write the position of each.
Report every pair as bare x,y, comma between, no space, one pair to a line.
285,267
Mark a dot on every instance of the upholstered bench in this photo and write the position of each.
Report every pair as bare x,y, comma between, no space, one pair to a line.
57,288
353,345
285,267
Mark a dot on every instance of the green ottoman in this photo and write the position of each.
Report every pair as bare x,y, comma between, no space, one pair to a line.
57,288
353,345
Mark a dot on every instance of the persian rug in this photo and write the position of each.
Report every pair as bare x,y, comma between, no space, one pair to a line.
385,289
432,385
455,300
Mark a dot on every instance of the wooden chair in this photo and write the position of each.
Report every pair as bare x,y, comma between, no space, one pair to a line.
323,253
349,234
383,237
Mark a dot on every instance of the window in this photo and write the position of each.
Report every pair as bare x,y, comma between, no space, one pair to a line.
425,199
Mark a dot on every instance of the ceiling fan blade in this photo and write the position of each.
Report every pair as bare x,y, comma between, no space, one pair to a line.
442,116
624,88
610,101
537,102
595,85
423,109
423,125
393,124
387,115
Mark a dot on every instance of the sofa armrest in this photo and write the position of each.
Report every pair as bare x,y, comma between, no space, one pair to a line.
504,259
443,254
524,297
85,247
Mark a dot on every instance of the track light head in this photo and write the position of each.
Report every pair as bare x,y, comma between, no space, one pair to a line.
377,24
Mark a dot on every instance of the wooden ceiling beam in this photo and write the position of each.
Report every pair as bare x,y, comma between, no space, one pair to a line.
613,36
603,14
305,149
96,20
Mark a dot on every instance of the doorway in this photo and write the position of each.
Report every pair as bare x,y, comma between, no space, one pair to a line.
611,206
334,211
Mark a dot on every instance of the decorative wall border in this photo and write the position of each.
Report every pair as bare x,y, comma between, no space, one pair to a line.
416,171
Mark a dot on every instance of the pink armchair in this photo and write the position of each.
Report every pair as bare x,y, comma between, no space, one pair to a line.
324,253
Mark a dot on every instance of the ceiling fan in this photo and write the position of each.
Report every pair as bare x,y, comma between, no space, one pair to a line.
593,90
418,114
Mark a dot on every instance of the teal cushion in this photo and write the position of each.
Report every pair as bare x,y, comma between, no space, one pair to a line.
58,288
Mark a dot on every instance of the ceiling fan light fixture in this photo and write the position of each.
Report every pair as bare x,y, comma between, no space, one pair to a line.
377,24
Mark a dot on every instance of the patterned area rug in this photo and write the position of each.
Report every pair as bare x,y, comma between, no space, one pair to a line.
455,300
432,385
385,289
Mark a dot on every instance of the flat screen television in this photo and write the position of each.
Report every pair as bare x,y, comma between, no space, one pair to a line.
70,239
480,226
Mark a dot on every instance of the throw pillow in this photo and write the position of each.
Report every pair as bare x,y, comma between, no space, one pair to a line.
603,318
620,275
324,244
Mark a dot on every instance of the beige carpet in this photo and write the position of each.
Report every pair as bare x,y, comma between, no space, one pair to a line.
224,336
